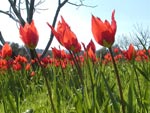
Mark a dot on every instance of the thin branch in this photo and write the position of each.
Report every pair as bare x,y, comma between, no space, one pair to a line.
40,9
2,39
10,15
81,4
59,2
19,6
63,3
54,22
39,3
27,7
30,13
22,22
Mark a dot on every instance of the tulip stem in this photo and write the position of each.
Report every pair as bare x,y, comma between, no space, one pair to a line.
138,84
118,81
47,85
75,60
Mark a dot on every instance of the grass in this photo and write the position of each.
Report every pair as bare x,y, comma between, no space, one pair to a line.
21,93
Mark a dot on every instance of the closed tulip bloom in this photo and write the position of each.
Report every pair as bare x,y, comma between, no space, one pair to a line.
29,35
6,51
92,46
90,49
130,53
91,54
104,32
65,36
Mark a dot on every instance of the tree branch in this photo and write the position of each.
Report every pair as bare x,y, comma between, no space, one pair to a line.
30,13
2,39
19,6
53,24
22,22
39,3
81,4
10,15
27,7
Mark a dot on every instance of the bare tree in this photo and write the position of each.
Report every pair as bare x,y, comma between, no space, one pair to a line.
142,37
124,41
16,6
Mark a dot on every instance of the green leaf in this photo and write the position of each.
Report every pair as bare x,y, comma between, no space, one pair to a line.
114,101
145,75
130,107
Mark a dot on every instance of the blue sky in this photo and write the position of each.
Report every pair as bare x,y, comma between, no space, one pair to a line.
128,14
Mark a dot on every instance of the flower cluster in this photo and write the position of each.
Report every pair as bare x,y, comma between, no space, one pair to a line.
103,32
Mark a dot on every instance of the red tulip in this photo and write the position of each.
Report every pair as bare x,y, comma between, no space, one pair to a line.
3,65
20,59
104,32
28,67
108,57
17,66
91,54
32,74
116,50
29,35
92,46
90,49
60,54
65,36
6,51
130,53
141,55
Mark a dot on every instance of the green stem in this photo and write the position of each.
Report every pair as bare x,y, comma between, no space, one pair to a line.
75,60
47,85
77,66
118,81
49,93
138,83
63,73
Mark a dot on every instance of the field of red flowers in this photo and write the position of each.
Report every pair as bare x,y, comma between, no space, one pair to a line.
71,81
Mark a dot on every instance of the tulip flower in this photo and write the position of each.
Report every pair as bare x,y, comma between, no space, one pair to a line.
92,46
6,51
17,66
65,36
60,54
29,35
141,55
104,32
3,65
91,54
130,53
90,49
116,50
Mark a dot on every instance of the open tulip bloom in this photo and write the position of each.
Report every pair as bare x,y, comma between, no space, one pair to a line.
104,32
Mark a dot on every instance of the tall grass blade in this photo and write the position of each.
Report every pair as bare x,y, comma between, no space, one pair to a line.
114,101
130,107
143,73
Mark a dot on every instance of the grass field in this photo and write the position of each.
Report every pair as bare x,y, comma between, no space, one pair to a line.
85,87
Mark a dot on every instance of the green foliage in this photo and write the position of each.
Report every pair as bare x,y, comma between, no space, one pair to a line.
21,93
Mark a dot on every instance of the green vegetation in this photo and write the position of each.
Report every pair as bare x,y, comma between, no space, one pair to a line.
99,93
